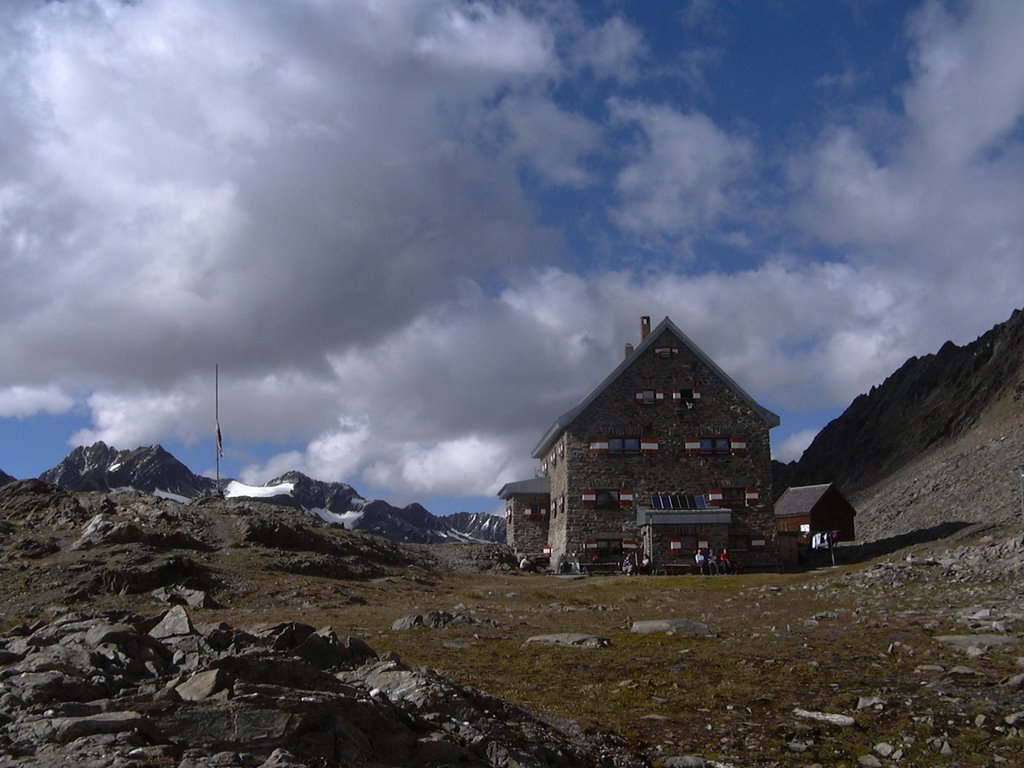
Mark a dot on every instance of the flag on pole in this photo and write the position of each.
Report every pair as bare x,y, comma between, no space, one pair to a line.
220,443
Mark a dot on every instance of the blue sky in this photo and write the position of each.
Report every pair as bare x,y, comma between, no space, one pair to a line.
412,234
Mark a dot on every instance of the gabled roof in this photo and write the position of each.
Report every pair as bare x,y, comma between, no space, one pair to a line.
800,500
562,422
532,486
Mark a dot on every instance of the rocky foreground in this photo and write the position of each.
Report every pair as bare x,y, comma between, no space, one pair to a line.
116,689
139,631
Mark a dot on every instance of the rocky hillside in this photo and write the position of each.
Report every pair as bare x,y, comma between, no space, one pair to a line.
5,478
940,440
113,678
153,470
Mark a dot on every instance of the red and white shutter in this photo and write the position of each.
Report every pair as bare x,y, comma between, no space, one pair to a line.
648,447
715,497
752,496
625,497
691,446
696,394
629,545
547,550
758,543
589,497
675,547
738,446
703,544
590,545
599,447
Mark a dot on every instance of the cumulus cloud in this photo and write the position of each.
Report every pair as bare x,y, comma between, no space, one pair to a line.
793,447
686,174
412,235
19,401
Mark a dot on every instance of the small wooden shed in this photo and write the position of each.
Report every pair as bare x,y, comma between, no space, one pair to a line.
812,509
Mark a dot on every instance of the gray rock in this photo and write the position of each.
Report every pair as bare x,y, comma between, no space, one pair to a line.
674,626
571,639
175,623
843,721
203,685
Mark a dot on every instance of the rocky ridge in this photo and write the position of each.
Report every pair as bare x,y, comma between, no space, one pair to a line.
153,470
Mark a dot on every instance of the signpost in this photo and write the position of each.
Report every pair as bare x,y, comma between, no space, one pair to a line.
1021,468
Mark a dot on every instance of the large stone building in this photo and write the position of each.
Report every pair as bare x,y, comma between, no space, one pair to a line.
667,455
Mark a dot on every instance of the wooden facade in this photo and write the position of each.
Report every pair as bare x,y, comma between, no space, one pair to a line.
815,509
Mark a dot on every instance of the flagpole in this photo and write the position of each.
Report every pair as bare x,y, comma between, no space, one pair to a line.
216,419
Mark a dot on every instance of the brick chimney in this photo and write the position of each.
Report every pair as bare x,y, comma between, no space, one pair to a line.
645,326
629,349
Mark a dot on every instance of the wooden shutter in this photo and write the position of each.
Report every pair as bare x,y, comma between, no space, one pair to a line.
648,447
691,446
752,496
589,497
625,497
599,447
738,445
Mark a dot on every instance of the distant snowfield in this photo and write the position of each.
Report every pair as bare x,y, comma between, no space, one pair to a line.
162,494
347,519
235,488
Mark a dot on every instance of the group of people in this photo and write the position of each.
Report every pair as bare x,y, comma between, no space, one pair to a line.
711,563
632,567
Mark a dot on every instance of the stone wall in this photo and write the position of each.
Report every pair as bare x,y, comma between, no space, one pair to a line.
670,422
527,531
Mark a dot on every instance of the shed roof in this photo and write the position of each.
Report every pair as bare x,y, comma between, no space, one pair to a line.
533,485
562,422
800,500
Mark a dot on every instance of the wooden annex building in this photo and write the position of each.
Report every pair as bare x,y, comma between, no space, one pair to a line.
815,509
667,455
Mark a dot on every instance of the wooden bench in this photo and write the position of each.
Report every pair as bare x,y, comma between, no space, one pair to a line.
602,569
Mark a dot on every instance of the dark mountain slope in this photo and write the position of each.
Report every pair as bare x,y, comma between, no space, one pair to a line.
151,469
927,402
940,440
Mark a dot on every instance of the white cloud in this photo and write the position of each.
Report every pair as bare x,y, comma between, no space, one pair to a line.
612,50
793,447
334,208
21,401
687,174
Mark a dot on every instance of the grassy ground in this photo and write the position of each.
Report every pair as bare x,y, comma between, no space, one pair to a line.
819,640
778,642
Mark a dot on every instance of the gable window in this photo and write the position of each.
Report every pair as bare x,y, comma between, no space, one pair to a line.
686,397
715,446
666,352
649,396
623,446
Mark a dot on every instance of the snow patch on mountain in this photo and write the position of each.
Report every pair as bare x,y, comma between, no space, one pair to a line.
235,488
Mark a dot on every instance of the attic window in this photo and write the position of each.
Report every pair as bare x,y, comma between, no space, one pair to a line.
715,446
649,396
623,446
666,352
